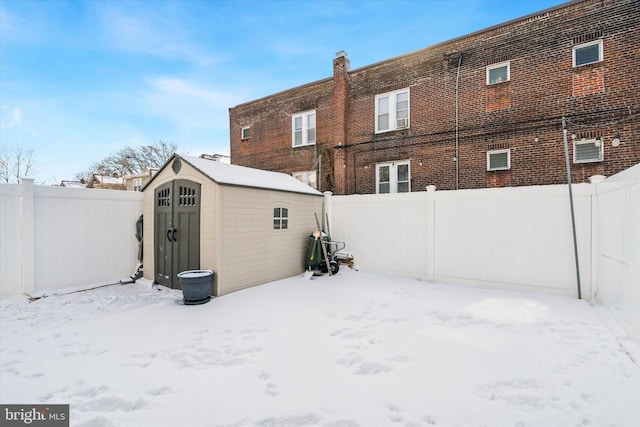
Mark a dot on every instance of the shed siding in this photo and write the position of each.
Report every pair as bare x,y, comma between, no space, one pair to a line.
253,252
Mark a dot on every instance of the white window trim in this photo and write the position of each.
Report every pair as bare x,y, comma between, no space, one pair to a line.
392,110
274,218
305,134
499,65
304,177
505,150
577,142
579,46
242,135
393,175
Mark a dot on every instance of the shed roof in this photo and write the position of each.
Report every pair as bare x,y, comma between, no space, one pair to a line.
223,173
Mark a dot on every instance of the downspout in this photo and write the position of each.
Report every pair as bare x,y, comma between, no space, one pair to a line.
457,120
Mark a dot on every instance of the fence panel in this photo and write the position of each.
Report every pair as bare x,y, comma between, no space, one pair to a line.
513,237
509,237
10,244
386,232
55,237
84,235
618,244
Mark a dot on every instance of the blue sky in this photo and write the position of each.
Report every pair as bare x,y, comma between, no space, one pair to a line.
80,80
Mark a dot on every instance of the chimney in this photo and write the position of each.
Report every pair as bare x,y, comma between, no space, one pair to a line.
339,112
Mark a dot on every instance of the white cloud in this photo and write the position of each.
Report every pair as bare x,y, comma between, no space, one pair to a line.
187,104
10,117
16,117
160,33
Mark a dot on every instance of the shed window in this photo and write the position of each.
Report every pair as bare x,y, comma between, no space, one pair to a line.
280,218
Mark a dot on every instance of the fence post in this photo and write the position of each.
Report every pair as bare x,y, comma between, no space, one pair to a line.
327,208
431,233
27,236
595,180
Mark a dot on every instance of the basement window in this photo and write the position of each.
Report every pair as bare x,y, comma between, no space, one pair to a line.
308,177
588,150
499,160
280,218
498,73
587,53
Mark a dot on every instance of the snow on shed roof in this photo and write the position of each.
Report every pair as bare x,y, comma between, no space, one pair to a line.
224,173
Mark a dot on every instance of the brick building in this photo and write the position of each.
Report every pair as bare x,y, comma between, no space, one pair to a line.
482,110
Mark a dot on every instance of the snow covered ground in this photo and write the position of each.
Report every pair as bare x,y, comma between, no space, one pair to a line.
356,349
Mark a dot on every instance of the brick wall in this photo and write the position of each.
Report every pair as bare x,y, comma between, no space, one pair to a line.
523,114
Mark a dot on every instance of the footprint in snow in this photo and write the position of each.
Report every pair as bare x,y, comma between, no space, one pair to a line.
110,404
396,413
159,391
372,368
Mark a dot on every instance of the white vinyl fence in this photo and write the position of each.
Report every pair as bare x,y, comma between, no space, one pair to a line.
56,237
617,244
518,237
504,237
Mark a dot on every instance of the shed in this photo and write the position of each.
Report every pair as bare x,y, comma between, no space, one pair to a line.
249,226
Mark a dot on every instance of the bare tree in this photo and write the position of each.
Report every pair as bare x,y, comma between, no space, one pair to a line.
16,163
131,160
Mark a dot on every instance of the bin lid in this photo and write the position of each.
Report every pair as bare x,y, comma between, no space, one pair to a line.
192,274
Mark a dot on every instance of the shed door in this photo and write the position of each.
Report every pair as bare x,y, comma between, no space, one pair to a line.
177,230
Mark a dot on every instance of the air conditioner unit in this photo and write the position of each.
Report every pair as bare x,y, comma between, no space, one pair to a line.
402,123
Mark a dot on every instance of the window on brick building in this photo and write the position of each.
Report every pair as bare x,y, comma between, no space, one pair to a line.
244,133
587,53
308,177
392,111
499,160
393,177
498,73
588,150
303,128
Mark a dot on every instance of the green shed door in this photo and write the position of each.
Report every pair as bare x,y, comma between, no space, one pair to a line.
177,230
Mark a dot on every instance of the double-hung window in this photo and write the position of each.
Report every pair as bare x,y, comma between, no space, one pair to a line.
498,73
392,111
303,128
393,177
587,53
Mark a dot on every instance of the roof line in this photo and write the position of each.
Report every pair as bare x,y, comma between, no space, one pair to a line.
456,39
475,33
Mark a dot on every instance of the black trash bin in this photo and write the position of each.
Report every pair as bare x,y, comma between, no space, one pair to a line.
196,286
